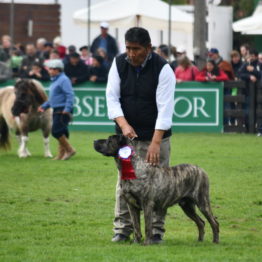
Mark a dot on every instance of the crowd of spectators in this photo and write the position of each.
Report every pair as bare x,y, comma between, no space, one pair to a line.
93,63
81,65
245,64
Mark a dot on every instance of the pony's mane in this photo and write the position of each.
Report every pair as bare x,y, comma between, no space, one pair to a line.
33,89
38,91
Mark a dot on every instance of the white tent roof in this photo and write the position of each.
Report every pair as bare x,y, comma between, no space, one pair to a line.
251,24
128,13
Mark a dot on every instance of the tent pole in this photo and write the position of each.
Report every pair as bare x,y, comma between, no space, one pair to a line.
138,20
169,29
88,24
116,30
11,28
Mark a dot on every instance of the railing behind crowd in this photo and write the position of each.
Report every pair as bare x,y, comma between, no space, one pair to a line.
243,106
259,105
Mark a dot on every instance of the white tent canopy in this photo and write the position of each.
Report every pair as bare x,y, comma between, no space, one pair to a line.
128,13
252,24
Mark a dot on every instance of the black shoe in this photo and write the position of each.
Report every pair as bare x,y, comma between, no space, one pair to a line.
157,239
120,238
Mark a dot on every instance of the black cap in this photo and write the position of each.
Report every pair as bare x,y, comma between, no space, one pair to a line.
72,48
99,59
48,44
76,55
83,47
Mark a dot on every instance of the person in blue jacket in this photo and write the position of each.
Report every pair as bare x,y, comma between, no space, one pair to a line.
61,98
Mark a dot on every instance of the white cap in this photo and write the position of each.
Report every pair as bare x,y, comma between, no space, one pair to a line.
54,63
57,40
180,49
104,25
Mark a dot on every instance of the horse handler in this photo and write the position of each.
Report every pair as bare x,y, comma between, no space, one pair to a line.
61,97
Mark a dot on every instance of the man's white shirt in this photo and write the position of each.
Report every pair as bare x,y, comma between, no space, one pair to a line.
164,96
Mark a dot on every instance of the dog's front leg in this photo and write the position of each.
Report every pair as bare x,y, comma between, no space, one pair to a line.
135,217
148,214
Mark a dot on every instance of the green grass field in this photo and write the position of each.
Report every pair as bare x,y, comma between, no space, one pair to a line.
62,211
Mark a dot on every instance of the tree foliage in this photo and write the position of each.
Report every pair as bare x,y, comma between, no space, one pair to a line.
242,8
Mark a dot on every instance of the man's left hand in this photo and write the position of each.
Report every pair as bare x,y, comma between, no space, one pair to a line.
153,154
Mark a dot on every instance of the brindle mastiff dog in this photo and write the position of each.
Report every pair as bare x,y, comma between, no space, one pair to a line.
156,189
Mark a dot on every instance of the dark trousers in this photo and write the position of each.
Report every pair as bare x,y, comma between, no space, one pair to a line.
60,123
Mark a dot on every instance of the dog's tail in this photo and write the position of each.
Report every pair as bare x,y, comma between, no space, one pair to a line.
4,134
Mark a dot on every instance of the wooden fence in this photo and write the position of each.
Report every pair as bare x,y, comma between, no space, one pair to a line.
243,110
45,21
259,105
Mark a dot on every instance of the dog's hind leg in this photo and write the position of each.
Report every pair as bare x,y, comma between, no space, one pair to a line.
135,217
205,208
189,209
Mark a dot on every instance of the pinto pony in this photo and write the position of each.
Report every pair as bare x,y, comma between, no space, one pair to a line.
18,111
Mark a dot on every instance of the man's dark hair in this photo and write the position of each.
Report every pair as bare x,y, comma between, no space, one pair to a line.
48,44
75,55
215,71
99,59
138,35
253,52
164,49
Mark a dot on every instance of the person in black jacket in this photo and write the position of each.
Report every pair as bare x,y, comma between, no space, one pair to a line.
250,71
76,69
29,59
38,72
236,62
105,41
98,71
140,99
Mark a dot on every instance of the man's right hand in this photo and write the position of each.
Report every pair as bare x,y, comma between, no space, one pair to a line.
127,130
40,109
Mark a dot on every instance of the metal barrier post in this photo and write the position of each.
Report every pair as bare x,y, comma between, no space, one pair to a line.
251,107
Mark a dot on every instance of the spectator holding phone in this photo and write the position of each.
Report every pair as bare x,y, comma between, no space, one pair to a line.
211,72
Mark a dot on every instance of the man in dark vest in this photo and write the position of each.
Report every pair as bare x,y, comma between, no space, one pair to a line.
140,99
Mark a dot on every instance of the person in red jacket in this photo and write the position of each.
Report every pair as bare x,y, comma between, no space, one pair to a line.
211,72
